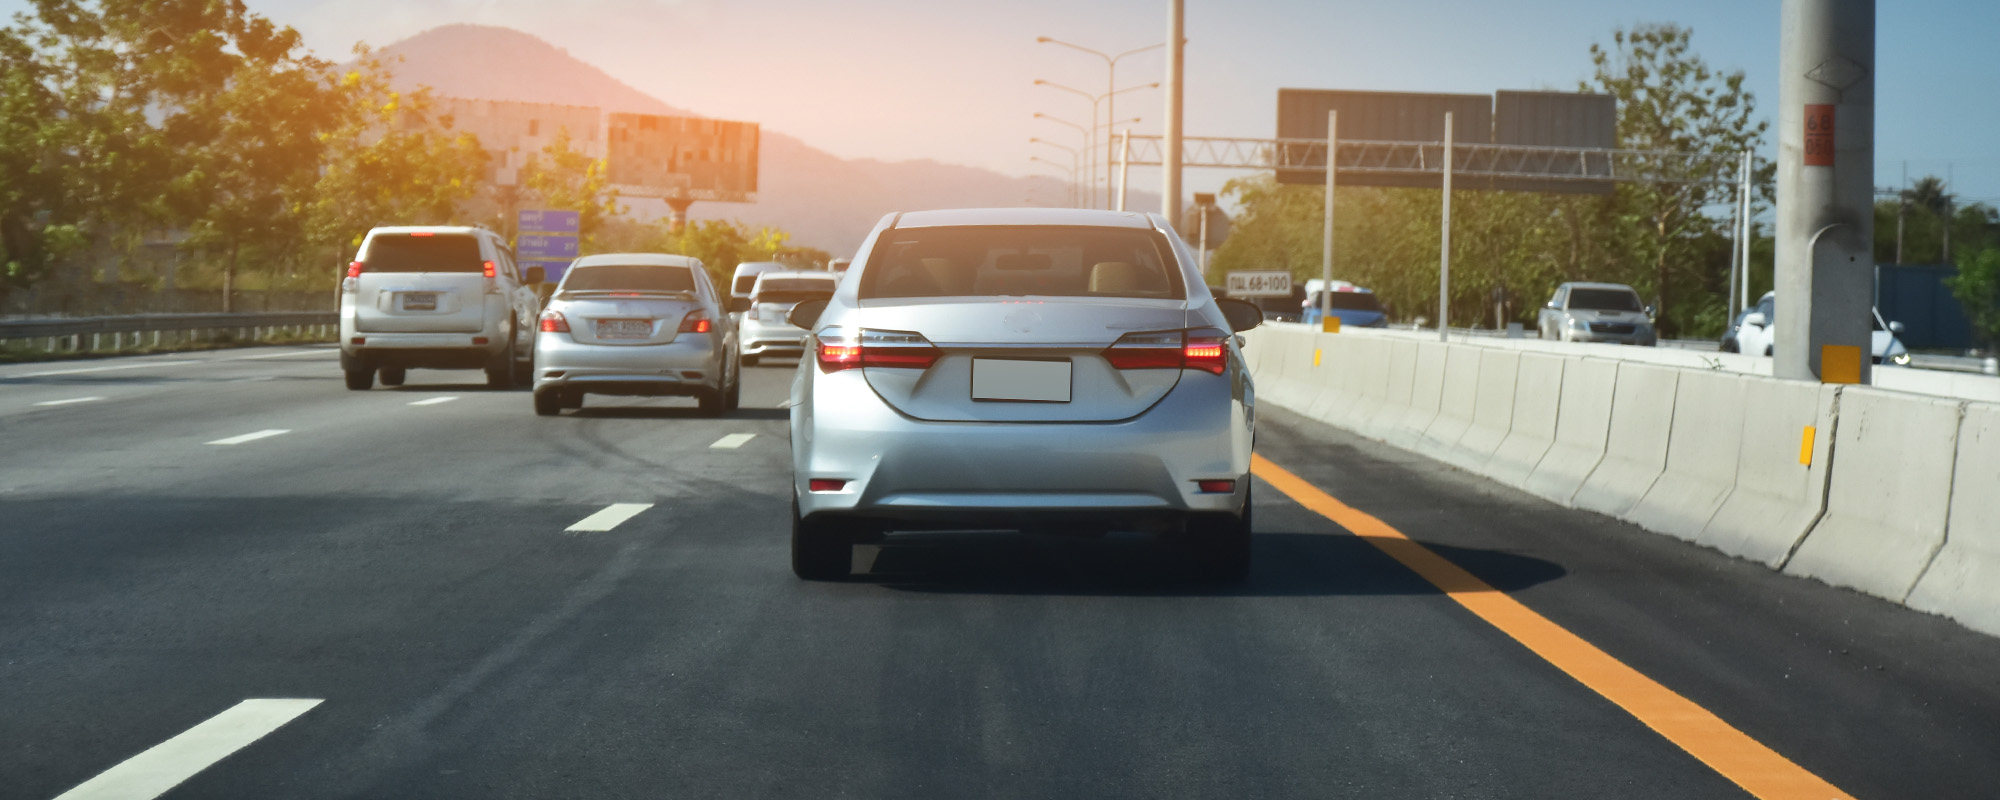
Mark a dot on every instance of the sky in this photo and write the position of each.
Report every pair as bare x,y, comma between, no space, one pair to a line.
954,81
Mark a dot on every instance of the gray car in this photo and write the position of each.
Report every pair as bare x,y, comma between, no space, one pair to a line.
1045,370
641,324
1597,312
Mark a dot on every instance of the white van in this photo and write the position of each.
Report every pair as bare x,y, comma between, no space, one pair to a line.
436,297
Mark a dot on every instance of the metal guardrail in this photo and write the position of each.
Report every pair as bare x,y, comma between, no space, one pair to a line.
69,333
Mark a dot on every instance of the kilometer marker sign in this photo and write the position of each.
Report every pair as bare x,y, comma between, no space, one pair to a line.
1263,283
1819,135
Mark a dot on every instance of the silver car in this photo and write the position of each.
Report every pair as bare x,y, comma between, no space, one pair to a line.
764,330
1597,312
635,324
1046,370
435,297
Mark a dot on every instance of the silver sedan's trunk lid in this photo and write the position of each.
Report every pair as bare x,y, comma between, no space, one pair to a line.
1023,360
624,318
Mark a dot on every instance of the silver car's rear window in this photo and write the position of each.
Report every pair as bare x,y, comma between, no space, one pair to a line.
1021,261
1603,300
423,252
629,278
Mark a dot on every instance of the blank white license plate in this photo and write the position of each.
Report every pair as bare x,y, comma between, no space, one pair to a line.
624,328
420,301
1020,381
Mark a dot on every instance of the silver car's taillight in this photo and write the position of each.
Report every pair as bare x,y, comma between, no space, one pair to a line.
1205,349
844,348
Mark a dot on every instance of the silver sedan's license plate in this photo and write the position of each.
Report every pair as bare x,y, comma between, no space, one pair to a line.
420,301
624,328
1020,381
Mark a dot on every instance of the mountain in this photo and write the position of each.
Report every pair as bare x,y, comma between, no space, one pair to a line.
825,201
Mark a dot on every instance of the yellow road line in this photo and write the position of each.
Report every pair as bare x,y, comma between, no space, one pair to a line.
1728,751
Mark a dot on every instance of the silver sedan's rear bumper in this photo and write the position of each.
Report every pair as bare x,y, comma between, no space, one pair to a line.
981,475
689,364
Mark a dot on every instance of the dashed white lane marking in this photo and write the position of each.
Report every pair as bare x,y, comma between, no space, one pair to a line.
611,517
732,441
82,370
251,437
71,401
435,401
151,773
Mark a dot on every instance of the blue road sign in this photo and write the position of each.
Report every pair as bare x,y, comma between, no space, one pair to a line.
552,270
532,246
537,221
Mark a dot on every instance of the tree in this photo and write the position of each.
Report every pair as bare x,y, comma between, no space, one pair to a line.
1670,100
565,179
1977,287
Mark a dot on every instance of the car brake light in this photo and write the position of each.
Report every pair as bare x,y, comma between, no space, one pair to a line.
354,269
826,484
422,233
837,350
1207,352
554,322
1205,349
488,265
1216,487
696,321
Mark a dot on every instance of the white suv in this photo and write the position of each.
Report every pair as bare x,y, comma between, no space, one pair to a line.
436,297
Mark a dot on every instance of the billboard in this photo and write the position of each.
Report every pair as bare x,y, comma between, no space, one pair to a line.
681,158
1533,119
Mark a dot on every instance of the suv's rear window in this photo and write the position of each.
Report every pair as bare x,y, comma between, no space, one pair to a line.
628,278
793,290
1021,260
444,252
1603,300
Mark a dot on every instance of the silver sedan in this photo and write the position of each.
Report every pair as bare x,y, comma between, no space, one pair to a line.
635,324
1043,370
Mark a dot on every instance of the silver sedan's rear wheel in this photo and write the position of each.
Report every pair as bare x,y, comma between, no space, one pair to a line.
393,376
1222,542
820,552
548,403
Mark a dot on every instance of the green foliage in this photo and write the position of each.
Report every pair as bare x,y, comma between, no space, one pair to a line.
1977,287
564,179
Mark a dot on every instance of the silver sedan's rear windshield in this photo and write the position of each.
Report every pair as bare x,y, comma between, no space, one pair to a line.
1021,261
1603,300
628,278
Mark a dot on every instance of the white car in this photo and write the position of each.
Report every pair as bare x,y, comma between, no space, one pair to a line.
436,297
1754,334
636,324
764,329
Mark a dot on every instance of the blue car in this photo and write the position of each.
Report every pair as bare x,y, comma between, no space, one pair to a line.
1356,308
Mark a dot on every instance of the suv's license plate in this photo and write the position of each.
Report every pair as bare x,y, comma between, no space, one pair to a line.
624,328
1020,381
420,301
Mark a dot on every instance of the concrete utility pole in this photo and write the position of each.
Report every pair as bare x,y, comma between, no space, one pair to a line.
1826,191
1170,184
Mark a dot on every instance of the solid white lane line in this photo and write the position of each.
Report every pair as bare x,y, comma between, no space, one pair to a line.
82,370
732,441
326,352
251,437
435,400
69,401
151,773
611,517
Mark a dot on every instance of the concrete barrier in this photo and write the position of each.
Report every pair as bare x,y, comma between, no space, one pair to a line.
1398,386
1371,377
1531,428
1492,410
1888,497
1335,378
1963,582
1426,391
1703,452
1290,363
1456,401
1778,496
1635,451
1582,427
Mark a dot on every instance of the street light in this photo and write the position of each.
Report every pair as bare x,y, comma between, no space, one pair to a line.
1094,100
1110,88
1075,192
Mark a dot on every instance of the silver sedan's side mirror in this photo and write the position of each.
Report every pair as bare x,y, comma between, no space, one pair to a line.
1755,319
1896,328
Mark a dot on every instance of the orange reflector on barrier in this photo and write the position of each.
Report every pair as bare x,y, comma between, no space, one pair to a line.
1839,363
1315,358
1806,445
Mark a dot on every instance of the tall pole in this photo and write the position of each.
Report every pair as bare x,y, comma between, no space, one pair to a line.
1826,189
1170,182
1326,246
1444,245
1735,235
1124,164
1743,242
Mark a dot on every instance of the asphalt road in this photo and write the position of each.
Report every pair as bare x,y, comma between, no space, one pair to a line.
407,564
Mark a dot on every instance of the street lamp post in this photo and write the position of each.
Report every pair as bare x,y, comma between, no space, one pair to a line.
1075,191
1094,101
1110,89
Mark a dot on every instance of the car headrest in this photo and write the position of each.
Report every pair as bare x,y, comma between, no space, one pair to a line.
1114,277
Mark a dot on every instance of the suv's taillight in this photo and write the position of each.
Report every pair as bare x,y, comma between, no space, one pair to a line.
354,269
839,348
554,322
488,268
696,321
1205,349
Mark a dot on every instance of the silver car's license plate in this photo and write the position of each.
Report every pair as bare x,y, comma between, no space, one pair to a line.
1020,381
624,328
420,301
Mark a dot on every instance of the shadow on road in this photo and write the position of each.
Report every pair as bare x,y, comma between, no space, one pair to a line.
673,412
1285,565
